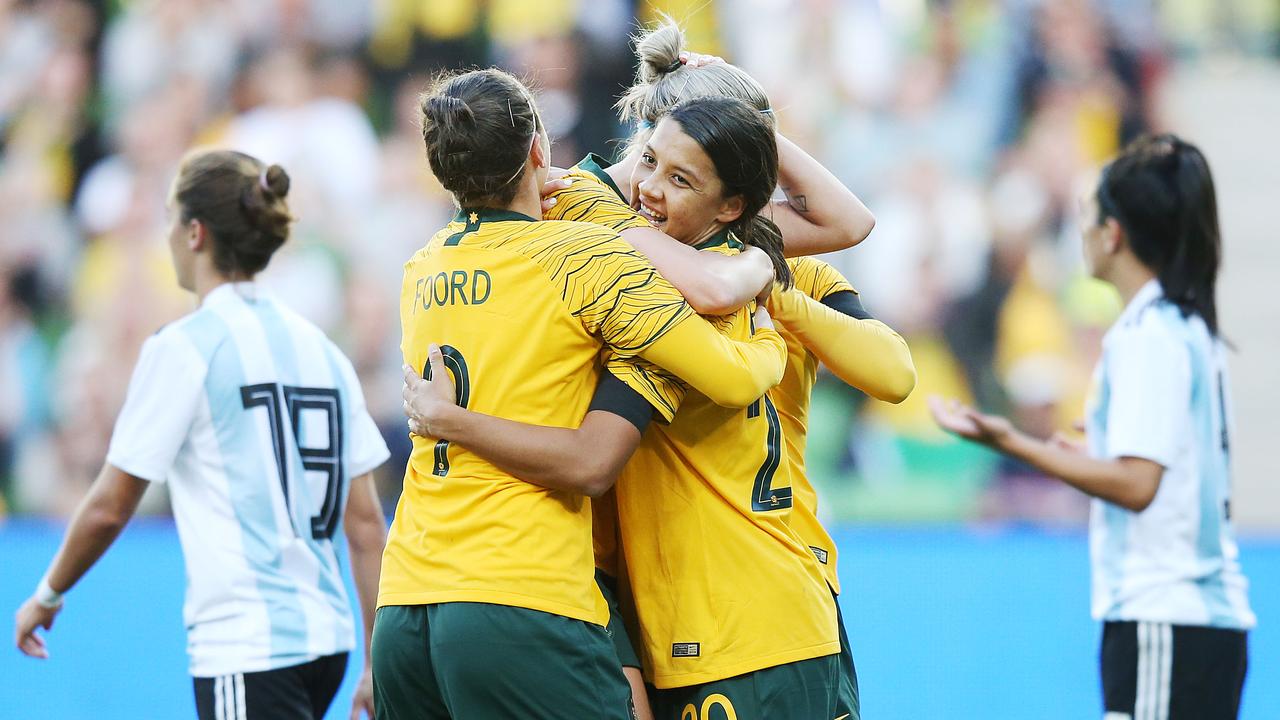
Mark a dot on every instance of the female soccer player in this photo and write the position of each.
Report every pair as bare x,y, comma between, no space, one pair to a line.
1166,581
704,503
487,604
819,215
257,422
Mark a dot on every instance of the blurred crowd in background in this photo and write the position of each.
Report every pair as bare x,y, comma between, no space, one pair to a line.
969,127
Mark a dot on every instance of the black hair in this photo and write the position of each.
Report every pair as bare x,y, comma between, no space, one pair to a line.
1160,191
740,141
478,127
240,201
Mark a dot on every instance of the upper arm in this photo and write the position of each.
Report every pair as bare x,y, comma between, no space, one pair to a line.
1149,386
118,492
802,237
617,294
363,509
160,405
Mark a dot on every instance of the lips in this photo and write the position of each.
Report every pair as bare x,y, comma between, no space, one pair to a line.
648,213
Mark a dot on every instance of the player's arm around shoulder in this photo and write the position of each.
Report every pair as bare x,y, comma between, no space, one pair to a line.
826,314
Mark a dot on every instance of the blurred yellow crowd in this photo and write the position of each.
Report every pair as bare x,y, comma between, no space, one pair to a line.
968,127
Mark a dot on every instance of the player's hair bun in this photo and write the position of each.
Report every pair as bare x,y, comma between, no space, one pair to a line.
659,51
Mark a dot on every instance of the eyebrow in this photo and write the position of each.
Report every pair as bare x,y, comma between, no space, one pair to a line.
693,177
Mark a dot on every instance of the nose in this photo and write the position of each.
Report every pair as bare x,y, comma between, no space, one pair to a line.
648,189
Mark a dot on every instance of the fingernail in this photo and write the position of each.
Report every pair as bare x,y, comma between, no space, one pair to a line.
552,201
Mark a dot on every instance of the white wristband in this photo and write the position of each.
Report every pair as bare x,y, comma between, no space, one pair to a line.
47,596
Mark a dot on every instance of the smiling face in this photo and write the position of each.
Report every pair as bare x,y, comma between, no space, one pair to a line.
675,186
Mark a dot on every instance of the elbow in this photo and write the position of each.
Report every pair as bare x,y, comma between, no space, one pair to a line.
594,481
863,229
738,395
712,300
366,534
900,385
1138,500
109,520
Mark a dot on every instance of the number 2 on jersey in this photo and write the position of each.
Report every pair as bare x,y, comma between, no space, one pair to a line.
457,365
764,496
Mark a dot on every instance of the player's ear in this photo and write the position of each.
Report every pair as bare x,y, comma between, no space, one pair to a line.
1113,239
540,150
731,209
197,235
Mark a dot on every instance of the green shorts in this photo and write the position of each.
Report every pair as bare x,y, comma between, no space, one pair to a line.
477,660
617,630
804,690
848,701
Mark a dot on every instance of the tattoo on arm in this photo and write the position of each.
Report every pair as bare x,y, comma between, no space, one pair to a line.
799,203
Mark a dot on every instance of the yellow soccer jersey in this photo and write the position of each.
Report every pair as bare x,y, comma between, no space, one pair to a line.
722,584
521,310
593,197
816,279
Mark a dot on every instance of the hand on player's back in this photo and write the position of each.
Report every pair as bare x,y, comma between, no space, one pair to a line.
426,399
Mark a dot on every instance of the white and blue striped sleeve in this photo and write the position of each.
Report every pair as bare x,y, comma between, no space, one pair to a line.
1149,373
366,449
163,396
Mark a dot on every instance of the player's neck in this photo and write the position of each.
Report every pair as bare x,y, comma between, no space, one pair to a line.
1129,275
206,279
620,172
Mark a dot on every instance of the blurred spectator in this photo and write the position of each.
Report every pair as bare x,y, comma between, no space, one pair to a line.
965,124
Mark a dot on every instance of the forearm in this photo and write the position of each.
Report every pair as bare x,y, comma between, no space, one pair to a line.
819,214
1121,481
366,530
712,283
866,354
95,525
546,456
729,372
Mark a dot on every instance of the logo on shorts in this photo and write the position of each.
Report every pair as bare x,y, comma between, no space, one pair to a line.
820,554
685,650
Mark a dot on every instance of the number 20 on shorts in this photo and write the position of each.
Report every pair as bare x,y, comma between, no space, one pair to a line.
711,702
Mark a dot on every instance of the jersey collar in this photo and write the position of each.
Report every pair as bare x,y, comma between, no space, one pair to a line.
724,237
1148,294
475,216
596,165
243,291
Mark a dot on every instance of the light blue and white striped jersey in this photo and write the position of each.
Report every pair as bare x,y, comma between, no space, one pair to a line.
1161,392
257,422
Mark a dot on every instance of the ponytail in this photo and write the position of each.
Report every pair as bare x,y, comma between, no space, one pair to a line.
759,231
1160,191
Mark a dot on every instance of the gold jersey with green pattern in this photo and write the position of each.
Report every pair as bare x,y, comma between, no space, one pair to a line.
595,198
722,583
816,279
521,310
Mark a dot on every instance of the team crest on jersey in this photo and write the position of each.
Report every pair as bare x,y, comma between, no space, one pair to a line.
685,650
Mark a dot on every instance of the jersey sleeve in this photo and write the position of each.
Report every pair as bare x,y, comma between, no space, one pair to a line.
818,279
731,373
164,393
366,449
861,351
616,293
1149,380
660,388
590,200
